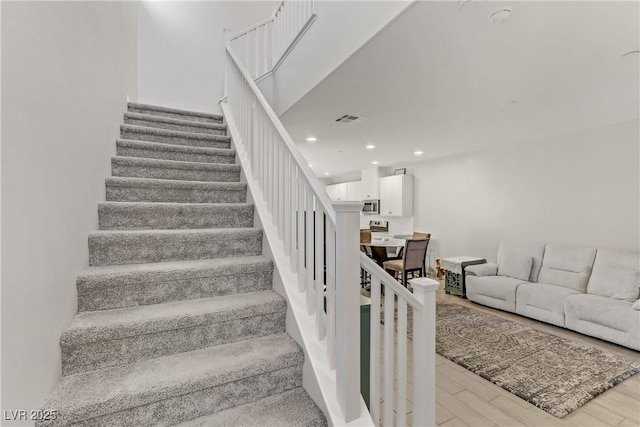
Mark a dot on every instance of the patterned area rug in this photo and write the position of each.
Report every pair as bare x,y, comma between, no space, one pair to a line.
553,373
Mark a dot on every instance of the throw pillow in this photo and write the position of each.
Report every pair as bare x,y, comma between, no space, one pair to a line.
636,305
515,265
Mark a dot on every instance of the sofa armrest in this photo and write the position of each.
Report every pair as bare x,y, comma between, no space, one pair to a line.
489,269
636,305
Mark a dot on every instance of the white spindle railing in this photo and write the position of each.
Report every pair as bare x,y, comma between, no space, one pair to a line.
320,239
262,47
396,298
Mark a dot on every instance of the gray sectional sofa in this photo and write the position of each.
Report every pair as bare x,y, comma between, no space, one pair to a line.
592,291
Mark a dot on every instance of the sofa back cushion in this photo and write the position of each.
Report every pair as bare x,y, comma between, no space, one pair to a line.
616,274
525,249
515,265
568,266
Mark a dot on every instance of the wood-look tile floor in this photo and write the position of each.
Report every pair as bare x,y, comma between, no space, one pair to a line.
465,399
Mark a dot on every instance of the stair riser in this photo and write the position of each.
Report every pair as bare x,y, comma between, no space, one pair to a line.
173,155
139,249
174,115
143,291
165,217
174,195
192,405
189,142
174,173
171,126
104,354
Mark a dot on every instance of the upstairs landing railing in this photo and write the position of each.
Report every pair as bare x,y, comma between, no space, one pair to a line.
320,241
262,47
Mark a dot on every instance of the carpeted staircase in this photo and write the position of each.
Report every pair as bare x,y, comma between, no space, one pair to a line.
177,322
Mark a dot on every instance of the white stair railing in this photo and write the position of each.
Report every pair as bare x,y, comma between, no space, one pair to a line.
319,239
396,299
262,47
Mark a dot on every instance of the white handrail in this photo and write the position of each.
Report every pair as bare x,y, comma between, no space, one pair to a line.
320,239
263,47
422,301
318,189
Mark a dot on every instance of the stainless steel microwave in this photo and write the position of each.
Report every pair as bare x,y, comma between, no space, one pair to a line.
371,207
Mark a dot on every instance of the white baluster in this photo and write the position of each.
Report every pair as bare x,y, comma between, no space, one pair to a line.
277,192
374,363
424,352
331,293
302,238
348,308
286,217
319,264
389,314
294,217
402,363
309,215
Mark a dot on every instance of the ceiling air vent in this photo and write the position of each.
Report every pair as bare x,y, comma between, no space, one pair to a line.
349,118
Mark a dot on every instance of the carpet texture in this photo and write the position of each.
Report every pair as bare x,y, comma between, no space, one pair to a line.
177,319
553,373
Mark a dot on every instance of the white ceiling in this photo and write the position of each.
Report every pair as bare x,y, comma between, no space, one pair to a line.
444,80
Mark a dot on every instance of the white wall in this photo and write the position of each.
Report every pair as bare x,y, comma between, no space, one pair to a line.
340,29
67,68
582,188
181,49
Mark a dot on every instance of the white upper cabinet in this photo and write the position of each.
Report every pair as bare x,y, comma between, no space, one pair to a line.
396,195
354,190
345,191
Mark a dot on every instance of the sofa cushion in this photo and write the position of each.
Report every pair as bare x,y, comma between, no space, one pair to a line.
494,291
605,318
532,249
543,302
616,274
567,266
515,265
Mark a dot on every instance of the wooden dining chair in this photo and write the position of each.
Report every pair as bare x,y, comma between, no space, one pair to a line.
416,236
415,252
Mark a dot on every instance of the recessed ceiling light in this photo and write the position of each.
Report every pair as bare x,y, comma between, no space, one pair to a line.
375,162
370,147
309,164
499,16
326,173
312,139
418,153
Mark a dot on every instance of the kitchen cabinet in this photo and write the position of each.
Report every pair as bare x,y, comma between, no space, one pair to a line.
354,190
396,195
345,191
371,182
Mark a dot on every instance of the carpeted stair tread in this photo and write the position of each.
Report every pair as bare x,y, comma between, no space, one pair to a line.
292,408
159,150
107,391
107,338
117,286
124,189
112,247
158,215
149,120
138,167
126,322
191,139
157,110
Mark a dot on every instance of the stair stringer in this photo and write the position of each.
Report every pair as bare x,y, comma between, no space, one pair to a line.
318,379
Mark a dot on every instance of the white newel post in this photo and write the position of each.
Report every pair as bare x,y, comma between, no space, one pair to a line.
347,343
424,352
